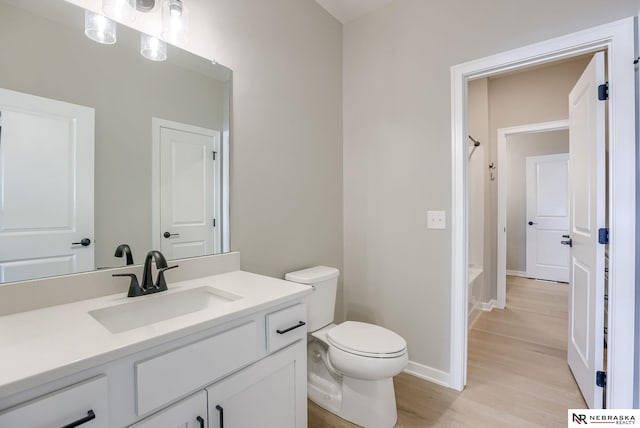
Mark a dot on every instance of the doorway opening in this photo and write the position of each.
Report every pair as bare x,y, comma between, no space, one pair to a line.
621,214
514,201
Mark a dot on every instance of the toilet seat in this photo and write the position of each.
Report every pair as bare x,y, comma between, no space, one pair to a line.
366,340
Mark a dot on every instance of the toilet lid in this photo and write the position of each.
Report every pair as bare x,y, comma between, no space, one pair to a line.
366,339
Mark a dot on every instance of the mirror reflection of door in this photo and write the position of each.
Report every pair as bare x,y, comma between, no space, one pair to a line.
189,190
46,187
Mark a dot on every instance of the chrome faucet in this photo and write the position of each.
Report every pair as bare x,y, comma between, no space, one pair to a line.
148,286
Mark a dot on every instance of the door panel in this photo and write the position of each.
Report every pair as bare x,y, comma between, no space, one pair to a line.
187,193
46,146
547,217
587,198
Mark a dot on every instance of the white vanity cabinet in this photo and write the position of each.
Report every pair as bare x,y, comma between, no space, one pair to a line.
249,371
188,413
263,395
84,405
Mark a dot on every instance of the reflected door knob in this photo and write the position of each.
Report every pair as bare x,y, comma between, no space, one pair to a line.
85,242
169,234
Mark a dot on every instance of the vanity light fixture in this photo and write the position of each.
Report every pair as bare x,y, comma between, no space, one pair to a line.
142,5
174,21
99,28
118,9
152,48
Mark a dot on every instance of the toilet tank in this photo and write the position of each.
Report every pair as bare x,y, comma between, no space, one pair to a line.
320,303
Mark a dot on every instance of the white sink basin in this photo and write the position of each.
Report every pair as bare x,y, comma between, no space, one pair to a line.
147,310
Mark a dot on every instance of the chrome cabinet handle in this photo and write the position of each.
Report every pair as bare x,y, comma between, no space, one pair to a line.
300,324
90,416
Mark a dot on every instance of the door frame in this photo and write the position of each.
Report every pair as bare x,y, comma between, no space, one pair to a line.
220,205
618,39
501,237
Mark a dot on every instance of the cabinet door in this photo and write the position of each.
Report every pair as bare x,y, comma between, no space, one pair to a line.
188,413
271,393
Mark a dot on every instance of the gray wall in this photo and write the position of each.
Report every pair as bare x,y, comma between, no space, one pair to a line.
286,155
56,61
397,147
519,147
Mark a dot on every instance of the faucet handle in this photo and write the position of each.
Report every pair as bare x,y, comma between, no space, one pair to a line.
134,288
162,283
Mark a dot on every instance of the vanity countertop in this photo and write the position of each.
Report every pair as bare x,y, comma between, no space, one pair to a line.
42,345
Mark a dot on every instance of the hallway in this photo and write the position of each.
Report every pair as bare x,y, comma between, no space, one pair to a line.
517,370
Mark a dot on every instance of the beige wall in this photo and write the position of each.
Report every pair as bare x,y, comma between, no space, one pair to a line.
519,147
397,147
286,164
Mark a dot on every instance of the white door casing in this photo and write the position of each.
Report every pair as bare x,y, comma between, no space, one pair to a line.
618,39
547,208
587,199
501,238
46,187
187,207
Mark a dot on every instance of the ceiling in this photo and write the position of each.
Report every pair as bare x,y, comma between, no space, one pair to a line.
349,10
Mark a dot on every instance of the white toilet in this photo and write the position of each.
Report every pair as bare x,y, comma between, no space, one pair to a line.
350,365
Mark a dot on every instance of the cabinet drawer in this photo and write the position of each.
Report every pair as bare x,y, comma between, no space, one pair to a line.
167,377
286,326
188,413
85,401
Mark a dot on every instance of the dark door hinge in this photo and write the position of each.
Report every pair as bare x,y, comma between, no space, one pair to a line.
214,222
214,155
601,379
603,91
603,236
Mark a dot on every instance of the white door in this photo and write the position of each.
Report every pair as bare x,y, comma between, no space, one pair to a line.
587,199
547,217
46,187
189,192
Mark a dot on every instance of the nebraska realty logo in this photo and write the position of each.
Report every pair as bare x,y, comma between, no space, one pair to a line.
580,417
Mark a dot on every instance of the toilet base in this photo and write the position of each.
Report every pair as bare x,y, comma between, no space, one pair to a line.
368,403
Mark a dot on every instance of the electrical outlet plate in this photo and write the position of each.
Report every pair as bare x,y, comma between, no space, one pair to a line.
436,219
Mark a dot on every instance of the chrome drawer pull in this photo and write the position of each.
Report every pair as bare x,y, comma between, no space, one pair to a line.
300,324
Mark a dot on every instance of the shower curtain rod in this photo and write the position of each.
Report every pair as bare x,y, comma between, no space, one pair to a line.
476,143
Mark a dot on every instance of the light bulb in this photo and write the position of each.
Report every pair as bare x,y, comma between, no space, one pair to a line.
99,28
152,48
175,18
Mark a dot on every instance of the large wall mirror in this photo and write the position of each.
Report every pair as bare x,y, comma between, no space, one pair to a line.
103,151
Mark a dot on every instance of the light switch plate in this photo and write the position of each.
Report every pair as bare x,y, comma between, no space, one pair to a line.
436,219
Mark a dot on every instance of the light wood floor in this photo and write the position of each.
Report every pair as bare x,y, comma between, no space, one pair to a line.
517,373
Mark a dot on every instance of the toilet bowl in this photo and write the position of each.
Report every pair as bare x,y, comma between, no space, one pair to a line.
350,365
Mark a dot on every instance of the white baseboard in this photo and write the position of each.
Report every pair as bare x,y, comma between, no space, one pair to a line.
428,373
490,305
516,273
